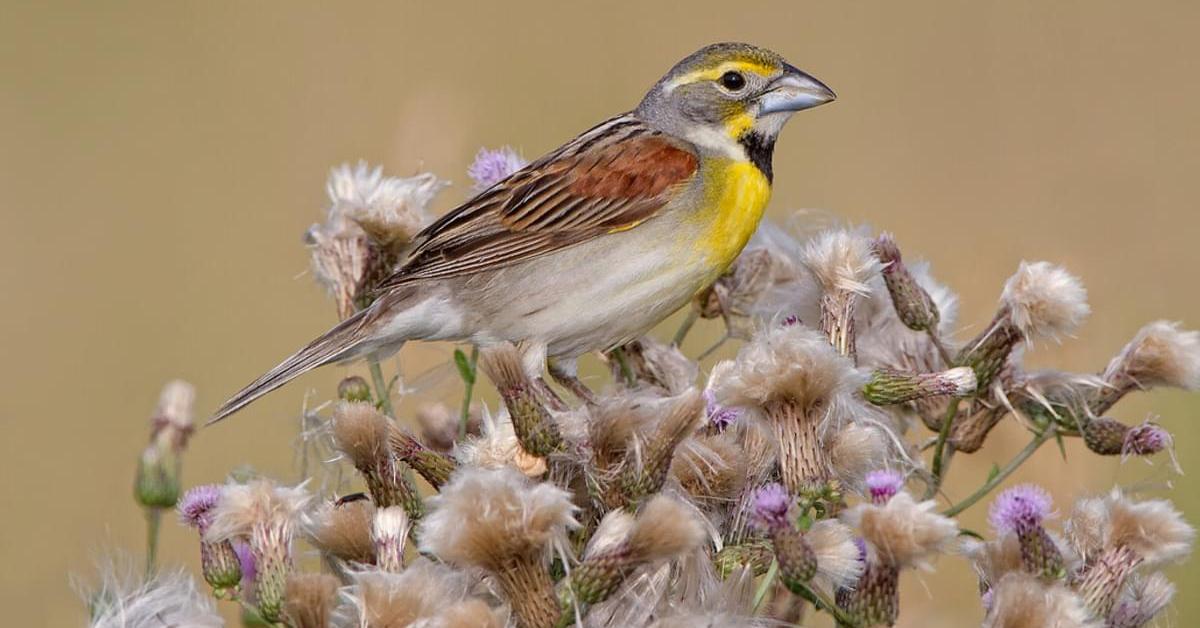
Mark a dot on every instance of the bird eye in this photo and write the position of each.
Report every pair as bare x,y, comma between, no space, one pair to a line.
733,81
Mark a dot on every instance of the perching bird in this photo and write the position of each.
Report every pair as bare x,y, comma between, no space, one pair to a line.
595,243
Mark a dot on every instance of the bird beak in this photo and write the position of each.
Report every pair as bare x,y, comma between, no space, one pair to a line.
794,91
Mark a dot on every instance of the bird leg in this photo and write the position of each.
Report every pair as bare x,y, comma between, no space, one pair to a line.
567,376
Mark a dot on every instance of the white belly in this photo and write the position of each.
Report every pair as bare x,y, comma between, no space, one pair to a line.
591,296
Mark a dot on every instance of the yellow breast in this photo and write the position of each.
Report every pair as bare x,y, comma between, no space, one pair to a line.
736,195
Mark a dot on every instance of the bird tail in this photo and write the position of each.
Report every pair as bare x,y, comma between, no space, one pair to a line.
342,342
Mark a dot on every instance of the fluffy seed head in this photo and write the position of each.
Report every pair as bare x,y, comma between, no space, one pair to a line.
421,592
710,468
833,544
392,210
1142,599
484,518
496,446
771,505
492,166
1022,600
1161,354
883,484
664,528
1045,300
389,531
903,532
1021,507
993,559
856,450
309,600
841,261
794,364
196,505
170,598
1153,530
258,503
344,531
360,432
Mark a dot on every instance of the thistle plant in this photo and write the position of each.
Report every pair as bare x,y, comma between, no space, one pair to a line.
803,475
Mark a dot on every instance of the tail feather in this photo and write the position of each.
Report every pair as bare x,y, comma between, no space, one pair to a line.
335,345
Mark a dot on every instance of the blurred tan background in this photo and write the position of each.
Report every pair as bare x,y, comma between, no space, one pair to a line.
160,162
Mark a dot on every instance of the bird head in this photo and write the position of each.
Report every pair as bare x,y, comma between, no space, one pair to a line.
731,99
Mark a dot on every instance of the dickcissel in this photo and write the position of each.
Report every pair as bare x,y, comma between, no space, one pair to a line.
593,244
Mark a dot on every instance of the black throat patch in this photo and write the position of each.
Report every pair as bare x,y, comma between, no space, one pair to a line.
759,149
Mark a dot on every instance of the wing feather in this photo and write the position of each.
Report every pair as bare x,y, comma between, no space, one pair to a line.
611,178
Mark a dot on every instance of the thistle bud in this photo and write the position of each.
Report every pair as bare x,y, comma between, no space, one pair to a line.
156,483
889,386
1110,437
914,307
534,427
1020,510
434,466
219,563
354,388
645,473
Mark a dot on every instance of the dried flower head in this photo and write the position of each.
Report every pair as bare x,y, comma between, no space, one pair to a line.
416,596
1022,600
310,599
1161,354
1152,529
391,210
126,600
844,266
343,530
993,559
497,446
855,451
711,469
913,305
499,521
494,165
1142,600
362,433
837,554
903,532
1045,300
389,532
659,365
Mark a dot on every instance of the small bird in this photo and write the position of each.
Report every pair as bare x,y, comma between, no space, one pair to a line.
596,242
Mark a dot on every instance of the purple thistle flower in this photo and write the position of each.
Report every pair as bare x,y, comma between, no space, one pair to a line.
1146,439
195,508
771,505
883,484
861,544
492,166
720,417
791,319
1021,507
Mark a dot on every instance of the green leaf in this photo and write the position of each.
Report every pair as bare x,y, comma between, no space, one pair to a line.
1062,445
992,473
465,369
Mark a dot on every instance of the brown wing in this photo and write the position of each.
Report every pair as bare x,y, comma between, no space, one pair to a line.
610,178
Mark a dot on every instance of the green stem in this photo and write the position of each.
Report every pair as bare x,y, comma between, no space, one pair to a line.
939,449
995,480
765,585
469,389
823,603
153,523
382,390
717,345
692,316
941,348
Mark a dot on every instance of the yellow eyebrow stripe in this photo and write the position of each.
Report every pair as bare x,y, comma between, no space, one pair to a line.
711,74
